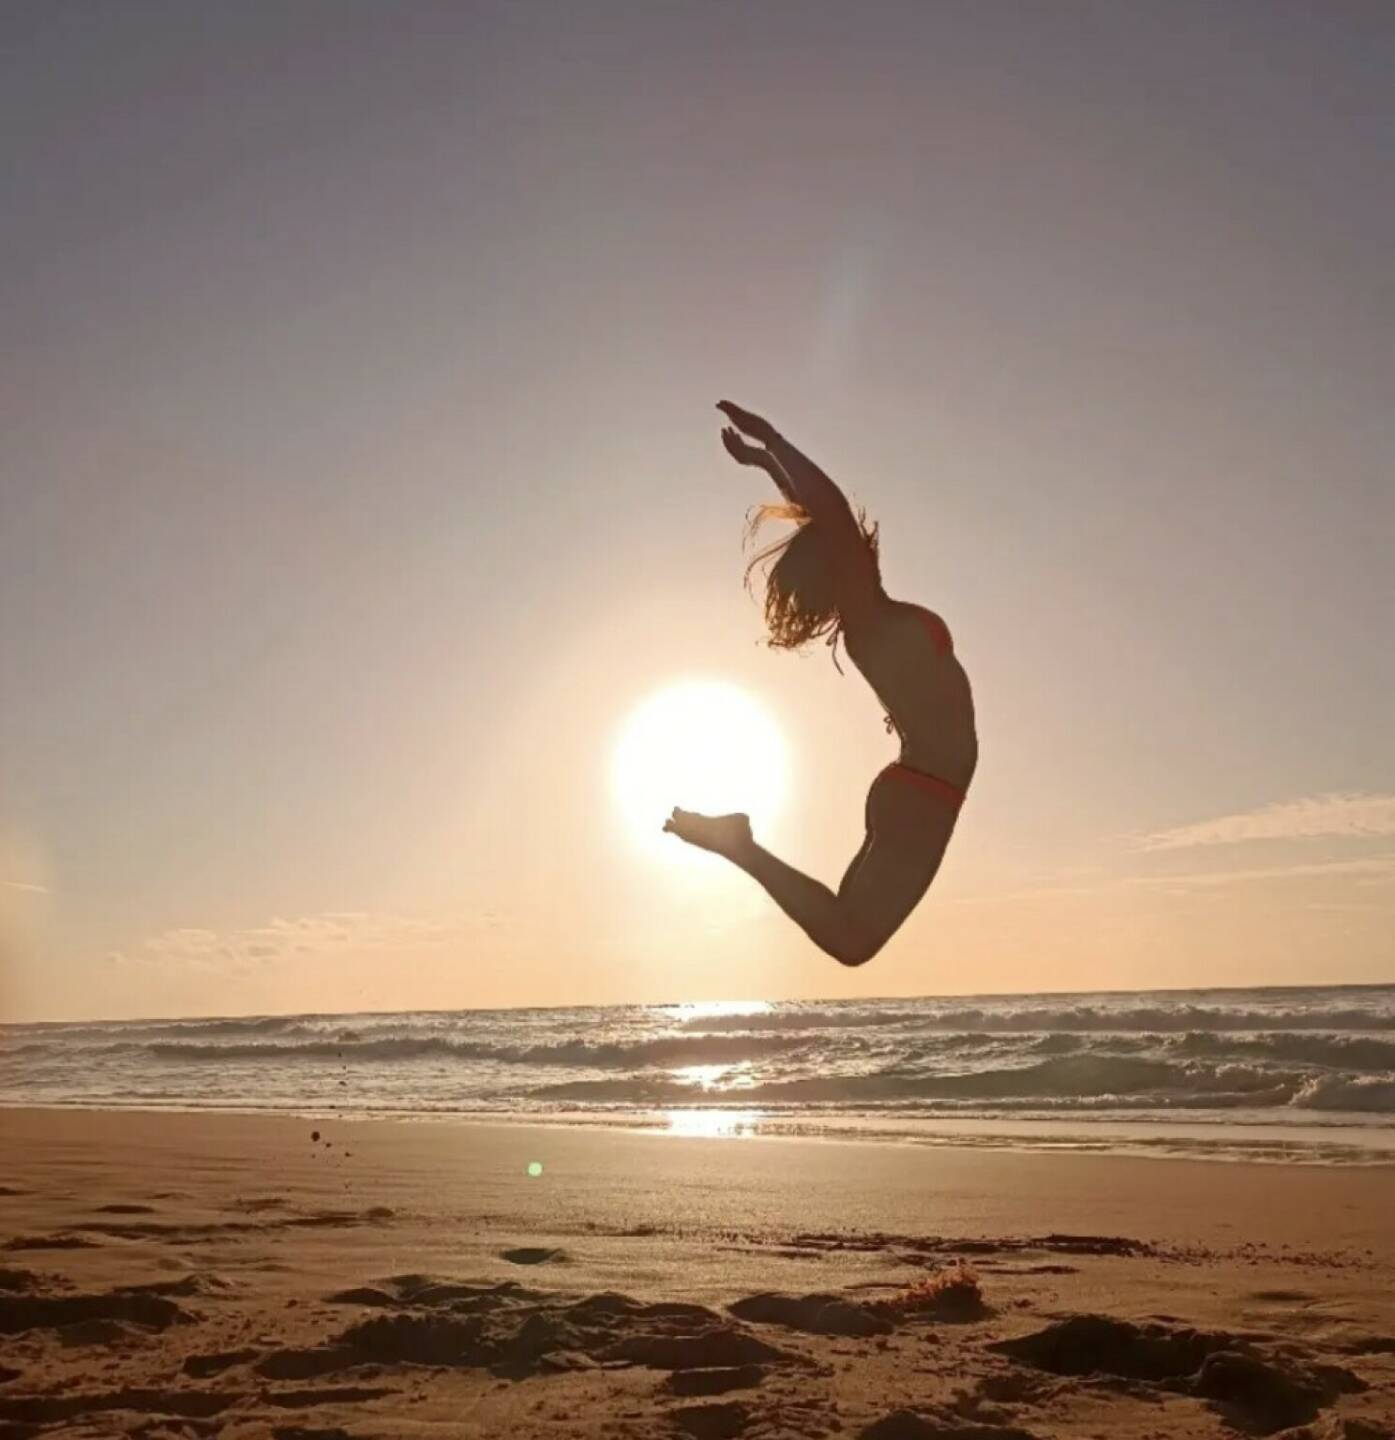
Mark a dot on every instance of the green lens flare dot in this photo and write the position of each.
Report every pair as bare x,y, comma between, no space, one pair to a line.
535,1168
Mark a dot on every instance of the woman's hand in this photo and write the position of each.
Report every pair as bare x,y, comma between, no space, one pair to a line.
747,454
758,428
743,452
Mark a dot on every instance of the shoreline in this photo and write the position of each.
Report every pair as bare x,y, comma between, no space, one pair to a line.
1064,1189
1265,1142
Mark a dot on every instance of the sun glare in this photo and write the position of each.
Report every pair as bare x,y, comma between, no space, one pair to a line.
714,1124
703,745
695,1012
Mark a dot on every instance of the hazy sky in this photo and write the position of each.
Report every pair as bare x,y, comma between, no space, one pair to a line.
360,475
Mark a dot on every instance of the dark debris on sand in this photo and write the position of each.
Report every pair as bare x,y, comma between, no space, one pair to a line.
940,1246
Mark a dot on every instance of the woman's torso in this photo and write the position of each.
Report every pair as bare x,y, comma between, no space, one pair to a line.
906,655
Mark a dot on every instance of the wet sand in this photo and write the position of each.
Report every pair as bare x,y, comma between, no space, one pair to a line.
186,1275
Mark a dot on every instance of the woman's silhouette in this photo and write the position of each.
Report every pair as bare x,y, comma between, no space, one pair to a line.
825,582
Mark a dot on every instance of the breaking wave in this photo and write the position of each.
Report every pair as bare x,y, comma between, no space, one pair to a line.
1075,1018
1309,1061
1085,1081
670,1050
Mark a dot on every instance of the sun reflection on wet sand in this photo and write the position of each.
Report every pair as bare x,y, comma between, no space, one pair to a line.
714,1124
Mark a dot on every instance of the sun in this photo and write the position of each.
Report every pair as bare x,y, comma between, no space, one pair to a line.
704,745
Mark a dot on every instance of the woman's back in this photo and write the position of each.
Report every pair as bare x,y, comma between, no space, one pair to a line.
906,654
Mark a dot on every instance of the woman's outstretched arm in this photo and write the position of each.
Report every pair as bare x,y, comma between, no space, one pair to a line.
853,565
810,487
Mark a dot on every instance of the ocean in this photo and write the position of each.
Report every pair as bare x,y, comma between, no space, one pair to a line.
1268,1074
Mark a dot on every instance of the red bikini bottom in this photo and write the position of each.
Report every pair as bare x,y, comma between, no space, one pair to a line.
932,785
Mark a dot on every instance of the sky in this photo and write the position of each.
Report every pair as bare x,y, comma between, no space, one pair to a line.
359,477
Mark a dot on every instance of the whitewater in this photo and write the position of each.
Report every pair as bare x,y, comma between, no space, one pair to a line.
1271,1074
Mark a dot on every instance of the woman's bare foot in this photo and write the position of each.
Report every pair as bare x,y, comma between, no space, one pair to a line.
727,835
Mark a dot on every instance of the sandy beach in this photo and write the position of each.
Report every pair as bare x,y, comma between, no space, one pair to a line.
180,1275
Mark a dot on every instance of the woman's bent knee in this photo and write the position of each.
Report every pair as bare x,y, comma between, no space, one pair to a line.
854,950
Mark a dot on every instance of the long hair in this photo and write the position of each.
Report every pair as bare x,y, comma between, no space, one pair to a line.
799,596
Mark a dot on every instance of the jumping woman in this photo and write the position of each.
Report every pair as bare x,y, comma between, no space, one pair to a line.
825,582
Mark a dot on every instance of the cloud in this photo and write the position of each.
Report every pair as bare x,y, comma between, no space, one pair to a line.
1029,892
1364,870
1354,816
307,936
1368,869
28,887
183,942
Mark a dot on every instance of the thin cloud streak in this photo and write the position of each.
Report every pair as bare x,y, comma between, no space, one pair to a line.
1352,815
1375,868
1365,870
308,937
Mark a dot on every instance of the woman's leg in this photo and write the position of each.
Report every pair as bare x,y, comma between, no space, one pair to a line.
882,886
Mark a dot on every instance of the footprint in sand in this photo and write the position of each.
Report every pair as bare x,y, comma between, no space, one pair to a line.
717,1420
534,1255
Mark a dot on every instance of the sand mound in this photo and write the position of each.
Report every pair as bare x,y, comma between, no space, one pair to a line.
716,1421
361,1295
816,1314
1256,1392
462,1298
62,1240
719,1347
1335,1427
50,1409
195,1283
1264,1395
329,1395
1089,1344
91,1333
911,1425
202,1366
514,1332
716,1381
1371,1345
22,1312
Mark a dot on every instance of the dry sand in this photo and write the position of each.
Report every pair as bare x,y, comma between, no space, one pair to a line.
182,1275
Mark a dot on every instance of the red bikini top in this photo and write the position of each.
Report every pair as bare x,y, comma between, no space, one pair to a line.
940,637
